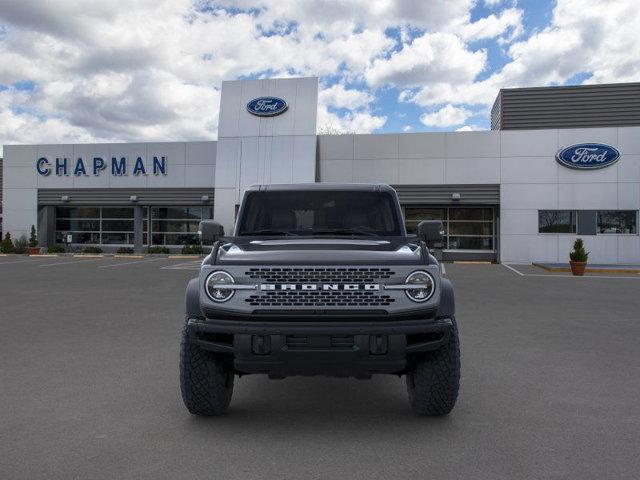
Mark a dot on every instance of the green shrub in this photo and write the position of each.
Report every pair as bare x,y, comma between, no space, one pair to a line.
192,250
125,250
33,238
92,249
7,244
21,244
55,249
158,249
579,254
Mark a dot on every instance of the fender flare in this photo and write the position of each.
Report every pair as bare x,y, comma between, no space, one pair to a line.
447,307
192,299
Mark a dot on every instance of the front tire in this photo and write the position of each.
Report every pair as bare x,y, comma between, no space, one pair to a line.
434,378
206,380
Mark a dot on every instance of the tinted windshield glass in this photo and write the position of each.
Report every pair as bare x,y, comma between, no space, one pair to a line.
319,213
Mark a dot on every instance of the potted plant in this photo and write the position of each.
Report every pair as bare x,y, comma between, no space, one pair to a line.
33,242
578,258
7,244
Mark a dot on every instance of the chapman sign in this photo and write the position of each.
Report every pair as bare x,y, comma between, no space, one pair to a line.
588,156
96,165
267,106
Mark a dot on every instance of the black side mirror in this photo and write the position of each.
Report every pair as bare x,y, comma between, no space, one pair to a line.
210,232
431,232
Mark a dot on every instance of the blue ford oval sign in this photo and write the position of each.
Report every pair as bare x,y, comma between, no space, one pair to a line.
588,156
267,106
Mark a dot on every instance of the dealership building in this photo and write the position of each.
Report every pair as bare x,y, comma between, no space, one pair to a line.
559,162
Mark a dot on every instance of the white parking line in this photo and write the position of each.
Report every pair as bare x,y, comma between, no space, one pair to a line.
130,263
444,270
617,277
513,269
71,262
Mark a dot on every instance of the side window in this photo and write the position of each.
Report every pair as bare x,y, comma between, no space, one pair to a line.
556,221
618,221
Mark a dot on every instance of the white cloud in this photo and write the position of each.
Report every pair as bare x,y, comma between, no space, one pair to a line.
509,20
469,128
433,57
447,116
492,3
338,96
351,122
407,128
151,69
583,37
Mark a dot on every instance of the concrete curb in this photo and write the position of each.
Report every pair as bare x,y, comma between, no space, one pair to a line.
589,269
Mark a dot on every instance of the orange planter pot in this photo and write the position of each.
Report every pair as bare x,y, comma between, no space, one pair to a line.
578,268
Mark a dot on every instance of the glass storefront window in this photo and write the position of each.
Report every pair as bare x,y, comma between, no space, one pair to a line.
78,212
177,225
618,221
477,214
556,221
471,228
470,243
95,225
466,228
414,215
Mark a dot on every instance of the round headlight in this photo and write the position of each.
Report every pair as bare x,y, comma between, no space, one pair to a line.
215,286
425,286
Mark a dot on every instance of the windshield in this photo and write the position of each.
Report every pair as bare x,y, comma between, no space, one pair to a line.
333,213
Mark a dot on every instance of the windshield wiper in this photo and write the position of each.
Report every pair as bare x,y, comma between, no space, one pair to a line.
346,231
270,232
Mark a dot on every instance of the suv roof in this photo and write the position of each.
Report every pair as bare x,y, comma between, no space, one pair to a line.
360,187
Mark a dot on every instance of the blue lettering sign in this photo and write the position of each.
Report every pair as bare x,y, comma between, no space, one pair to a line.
42,165
98,165
588,156
61,166
79,170
159,166
118,167
139,167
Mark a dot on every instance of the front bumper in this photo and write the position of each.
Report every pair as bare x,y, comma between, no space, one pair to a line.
345,348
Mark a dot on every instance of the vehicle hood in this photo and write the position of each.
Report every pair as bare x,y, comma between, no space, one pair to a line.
319,251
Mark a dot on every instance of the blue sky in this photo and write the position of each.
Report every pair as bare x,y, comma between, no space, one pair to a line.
77,71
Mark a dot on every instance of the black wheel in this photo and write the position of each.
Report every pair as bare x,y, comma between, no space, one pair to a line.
206,380
434,378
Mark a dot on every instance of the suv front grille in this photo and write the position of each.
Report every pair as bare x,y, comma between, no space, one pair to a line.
319,274
319,298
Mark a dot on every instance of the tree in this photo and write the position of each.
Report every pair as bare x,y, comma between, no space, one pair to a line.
7,244
33,239
579,254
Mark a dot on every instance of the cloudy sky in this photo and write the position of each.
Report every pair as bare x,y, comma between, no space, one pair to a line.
126,70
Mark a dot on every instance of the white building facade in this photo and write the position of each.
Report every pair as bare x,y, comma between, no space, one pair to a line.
502,194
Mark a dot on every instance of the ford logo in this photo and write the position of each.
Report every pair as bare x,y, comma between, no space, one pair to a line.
588,156
267,106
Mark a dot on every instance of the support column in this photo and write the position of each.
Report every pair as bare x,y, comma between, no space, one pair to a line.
138,229
46,228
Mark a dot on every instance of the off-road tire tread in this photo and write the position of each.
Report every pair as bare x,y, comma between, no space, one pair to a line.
434,381
206,382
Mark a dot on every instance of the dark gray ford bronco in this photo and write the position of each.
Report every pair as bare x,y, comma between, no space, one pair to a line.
320,279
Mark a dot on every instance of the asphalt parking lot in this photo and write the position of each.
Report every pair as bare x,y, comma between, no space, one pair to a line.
89,385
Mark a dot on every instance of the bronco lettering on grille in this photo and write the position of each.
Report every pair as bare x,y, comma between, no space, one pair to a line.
322,286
